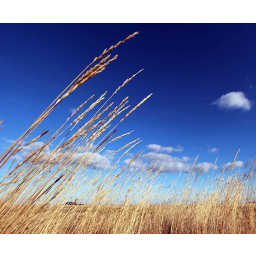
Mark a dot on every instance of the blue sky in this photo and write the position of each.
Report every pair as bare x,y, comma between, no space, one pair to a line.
202,77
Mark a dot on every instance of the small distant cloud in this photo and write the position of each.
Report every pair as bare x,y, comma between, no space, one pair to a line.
234,100
71,110
213,150
229,166
159,148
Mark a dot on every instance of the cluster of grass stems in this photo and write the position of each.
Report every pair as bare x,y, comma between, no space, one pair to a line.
116,198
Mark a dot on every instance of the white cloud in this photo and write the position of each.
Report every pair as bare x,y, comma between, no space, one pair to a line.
100,162
228,166
97,161
213,150
109,153
17,158
175,164
185,158
26,151
178,149
234,100
172,164
205,167
154,147
167,149
92,160
137,163
159,148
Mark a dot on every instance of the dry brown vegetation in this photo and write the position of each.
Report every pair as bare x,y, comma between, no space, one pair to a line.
34,193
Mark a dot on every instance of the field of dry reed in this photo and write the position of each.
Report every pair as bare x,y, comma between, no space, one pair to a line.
58,190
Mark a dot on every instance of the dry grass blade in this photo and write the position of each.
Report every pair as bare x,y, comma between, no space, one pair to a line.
79,80
1,128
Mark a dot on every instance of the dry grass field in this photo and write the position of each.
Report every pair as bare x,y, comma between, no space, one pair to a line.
133,219
35,191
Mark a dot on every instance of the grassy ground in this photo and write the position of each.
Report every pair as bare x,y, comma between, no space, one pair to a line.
134,219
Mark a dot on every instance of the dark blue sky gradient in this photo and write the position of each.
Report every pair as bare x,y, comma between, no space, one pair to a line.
187,67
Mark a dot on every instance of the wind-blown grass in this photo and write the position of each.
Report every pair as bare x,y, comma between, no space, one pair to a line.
112,198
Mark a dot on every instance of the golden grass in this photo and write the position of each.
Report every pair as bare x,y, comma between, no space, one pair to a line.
134,219
34,193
